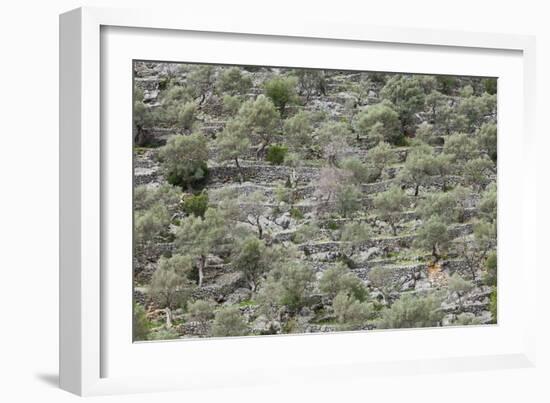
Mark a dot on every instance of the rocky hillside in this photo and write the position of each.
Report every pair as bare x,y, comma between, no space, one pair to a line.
271,200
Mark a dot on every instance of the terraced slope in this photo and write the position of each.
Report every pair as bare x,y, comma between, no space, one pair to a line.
393,261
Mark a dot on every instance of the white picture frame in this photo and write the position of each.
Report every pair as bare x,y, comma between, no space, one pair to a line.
91,344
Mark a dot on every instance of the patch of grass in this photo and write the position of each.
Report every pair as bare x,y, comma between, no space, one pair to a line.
248,302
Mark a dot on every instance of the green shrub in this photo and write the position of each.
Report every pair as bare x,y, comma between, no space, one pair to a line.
296,213
200,311
446,84
276,154
282,91
350,312
186,115
411,311
402,141
183,160
141,324
196,204
229,322
231,104
339,279
177,178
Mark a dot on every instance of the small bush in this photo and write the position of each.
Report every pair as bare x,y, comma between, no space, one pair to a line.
296,213
141,324
282,91
402,141
196,204
231,104
176,178
229,322
183,160
186,115
276,154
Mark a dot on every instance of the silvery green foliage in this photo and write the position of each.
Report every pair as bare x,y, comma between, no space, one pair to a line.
281,200
228,322
411,311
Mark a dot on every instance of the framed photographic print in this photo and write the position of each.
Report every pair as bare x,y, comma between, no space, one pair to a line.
317,198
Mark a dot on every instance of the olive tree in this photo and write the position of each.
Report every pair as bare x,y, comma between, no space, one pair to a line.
253,205
418,168
378,158
149,225
143,117
348,199
290,284
445,205
487,139
333,139
407,95
475,109
298,130
171,100
435,101
339,279
461,147
379,122
233,142
231,104
229,322
186,115
281,91
184,160
477,172
260,120
474,251
390,204
170,283
384,280
310,82
165,195
254,259
232,81
350,312
198,237
411,311
360,172
200,80
433,236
